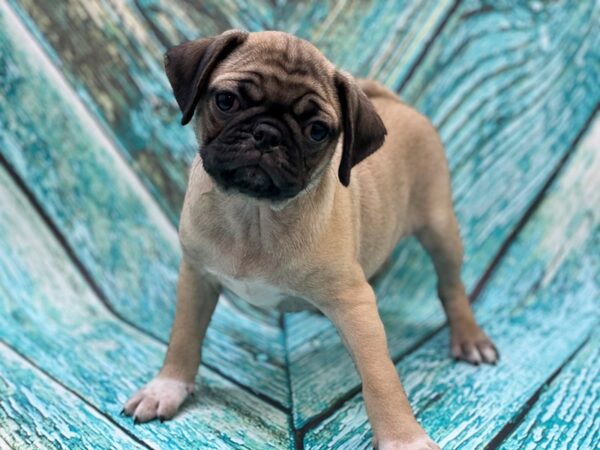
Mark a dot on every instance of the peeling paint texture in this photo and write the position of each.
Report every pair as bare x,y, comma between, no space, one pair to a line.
93,169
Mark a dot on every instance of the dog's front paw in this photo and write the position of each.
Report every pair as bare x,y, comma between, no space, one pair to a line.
160,399
471,344
420,443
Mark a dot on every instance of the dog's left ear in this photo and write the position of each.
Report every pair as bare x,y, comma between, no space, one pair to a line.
190,64
363,129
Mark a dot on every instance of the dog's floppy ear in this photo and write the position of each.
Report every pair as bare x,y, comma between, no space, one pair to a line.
363,129
190,64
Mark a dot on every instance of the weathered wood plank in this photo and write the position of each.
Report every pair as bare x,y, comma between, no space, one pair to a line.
120,79
4,445
38,413
111,52
440,92
108,219
175,21
370,38
567,413
540,305
522,95
49,314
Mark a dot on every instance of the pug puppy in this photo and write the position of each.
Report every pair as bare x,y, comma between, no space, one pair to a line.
305,181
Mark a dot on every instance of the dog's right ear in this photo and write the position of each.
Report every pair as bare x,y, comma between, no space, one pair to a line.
190,64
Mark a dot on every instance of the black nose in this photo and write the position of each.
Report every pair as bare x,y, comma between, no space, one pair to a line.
266,136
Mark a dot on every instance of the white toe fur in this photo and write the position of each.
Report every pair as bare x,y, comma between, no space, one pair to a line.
161,398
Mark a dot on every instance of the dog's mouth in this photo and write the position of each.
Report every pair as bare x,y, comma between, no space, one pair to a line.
263,175
250,180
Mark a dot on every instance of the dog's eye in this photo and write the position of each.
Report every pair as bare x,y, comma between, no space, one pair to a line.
226,101
318,131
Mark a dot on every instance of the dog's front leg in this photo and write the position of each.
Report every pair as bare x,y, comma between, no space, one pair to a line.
162,397
354,313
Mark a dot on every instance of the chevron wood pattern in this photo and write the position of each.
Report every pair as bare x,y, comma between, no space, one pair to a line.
93,167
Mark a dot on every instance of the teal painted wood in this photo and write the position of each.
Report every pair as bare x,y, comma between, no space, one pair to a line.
49,314
539,306
109,220
567,414
522,95
371,39
112,54
120,61
4,445
491,226
176,21
38,413
133,78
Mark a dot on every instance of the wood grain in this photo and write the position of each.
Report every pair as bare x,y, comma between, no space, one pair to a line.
509,87
49,314
123,83
176,21
509,98
111,52
108,219
38,413
546,283
373,38
566,414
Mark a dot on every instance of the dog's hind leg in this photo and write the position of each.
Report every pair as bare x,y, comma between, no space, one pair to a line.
441,239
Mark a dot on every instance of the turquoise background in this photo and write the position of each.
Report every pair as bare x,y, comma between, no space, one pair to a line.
93,168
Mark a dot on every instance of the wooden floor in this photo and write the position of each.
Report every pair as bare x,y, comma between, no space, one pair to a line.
93,166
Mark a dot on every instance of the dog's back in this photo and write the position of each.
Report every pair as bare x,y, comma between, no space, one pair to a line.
374,89
409,171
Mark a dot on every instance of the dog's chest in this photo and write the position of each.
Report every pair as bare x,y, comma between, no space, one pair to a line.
246,277
237,252
261,294
256,292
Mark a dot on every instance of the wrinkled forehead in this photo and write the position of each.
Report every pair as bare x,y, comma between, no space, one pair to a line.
280,68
